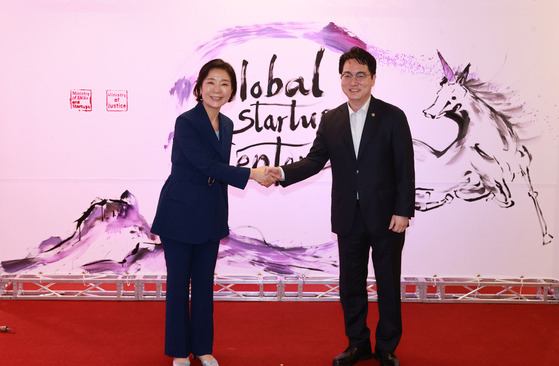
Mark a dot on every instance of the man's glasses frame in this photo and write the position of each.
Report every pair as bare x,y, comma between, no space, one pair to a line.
360,76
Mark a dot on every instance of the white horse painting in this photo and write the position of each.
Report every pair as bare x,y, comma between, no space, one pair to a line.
486,154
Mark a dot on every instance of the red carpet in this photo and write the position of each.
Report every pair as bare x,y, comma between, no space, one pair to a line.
275,333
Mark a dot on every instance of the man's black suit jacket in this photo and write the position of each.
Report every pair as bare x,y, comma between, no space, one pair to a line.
382,175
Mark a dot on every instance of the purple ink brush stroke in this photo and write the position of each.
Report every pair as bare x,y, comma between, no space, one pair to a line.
116,225
242,250
331,36
110,217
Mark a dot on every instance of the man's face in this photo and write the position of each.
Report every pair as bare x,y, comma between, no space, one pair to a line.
357,83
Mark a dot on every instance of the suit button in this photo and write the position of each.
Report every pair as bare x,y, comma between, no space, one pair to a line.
357,171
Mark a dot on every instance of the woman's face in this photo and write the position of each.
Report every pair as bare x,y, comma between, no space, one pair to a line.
216,89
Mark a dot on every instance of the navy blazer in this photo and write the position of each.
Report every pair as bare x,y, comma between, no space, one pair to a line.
193,205
382,173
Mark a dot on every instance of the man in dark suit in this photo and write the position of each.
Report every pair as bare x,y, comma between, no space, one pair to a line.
369,145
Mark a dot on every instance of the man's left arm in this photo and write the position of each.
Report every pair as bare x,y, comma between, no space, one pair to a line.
402,146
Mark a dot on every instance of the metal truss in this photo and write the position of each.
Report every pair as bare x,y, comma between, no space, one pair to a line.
277,288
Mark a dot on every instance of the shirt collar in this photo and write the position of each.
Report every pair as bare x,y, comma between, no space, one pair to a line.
364,108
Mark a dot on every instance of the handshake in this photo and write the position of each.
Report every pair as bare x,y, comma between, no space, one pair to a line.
265,175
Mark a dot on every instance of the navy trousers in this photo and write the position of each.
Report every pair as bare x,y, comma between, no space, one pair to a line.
354,252
189,330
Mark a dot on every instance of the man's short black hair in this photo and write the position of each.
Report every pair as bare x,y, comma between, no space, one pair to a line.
360,55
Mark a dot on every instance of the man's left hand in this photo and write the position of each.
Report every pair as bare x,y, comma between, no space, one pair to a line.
399,223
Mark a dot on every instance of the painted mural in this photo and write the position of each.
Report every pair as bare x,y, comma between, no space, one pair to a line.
487,153
275,118
111,236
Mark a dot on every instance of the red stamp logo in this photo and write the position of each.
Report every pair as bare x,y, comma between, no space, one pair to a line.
117,100
80,99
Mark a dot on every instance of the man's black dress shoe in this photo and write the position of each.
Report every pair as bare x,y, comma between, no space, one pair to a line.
386,358
352,355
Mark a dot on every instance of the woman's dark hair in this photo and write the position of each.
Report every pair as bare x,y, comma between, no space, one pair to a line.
361,56
205,70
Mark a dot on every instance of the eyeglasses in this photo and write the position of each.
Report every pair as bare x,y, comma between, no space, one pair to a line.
360,76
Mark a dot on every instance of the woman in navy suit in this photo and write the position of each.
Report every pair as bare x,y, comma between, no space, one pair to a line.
192,213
